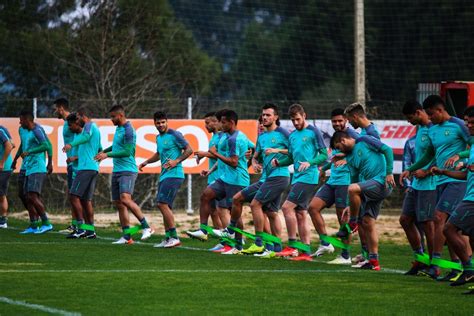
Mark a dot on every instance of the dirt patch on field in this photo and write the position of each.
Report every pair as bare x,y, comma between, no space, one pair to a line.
388,227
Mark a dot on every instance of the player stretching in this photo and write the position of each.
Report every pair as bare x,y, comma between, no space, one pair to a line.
124,174
171,149
6,147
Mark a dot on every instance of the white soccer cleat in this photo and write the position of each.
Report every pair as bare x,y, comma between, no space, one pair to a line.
341,260
359,264
172,242
123,241
232,251
267,254
147,232
217,232
4,225
322,250
161,244
358,259
198,234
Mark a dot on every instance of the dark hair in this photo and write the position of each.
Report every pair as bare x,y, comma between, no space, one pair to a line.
230,115
62,102
27,114
219,114
433,101
117,108
160,115
337,112
355,108
411,107
296,109
469,112
209,114
72,118
84,111
260,118
272,106
337,137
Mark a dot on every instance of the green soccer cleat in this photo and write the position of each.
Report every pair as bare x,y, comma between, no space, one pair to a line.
253,249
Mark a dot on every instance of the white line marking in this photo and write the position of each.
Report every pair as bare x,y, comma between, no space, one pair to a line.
176,271
42,308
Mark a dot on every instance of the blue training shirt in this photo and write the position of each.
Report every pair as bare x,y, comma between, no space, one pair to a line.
367,161
125,136
277,139
87,151
68,137
170,146
235,144
422,142
4,137
35,163
214,142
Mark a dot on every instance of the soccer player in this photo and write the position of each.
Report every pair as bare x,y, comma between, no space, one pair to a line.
420,198
83,186
61,109
6,147
124,174
33,154
370,163
462,218
306,151
172,150
357,117
447,137
332,192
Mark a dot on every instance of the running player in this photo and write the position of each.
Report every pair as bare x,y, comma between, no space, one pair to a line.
447,137
370,163
6,147
83,187
33,154
332,192
172,150
306,151
124,174
420,199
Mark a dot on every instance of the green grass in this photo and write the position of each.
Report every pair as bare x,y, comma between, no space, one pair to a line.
94,277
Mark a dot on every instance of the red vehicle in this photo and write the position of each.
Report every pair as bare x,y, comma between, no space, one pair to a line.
458,94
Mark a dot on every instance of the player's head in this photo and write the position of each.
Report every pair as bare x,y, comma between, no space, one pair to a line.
342,141
338,119
211,122
84,114
229,120
117,114
61,107
161,121
435,107
270,115
469,113
73,122
465,115
297,116
261,127
26,118
355,113
413,112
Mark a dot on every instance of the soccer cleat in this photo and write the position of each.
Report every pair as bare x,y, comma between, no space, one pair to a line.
415,268
4,225
322,250
302,257
226,234
29,230
253,249
147,232
172,242
371,265
68,230
347,229
287,252
340,260
432,272
90,234
197,234
358,258
359,264
217,232
450,277
223,249
470,292
78,234
467,276
43,229
232,251
123,241
161,244
267,254
217,247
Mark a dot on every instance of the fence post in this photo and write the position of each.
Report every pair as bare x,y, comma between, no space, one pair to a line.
35,107
189,204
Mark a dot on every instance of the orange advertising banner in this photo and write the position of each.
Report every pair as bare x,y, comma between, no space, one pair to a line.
193,130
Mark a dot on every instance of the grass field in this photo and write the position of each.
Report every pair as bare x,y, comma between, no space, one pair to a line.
94,277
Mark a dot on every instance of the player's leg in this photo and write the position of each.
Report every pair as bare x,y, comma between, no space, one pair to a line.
325,197
166,194
4,178
34,189
86,202
78,195
70,178
355,199
368,224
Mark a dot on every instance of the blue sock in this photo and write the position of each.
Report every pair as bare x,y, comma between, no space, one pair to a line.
277,247
291,241
258,241
467,265
324,243
345,254
418,251
269,246
125,235
144,223
44,217
373,256
202,229
173,233
233,224
238,244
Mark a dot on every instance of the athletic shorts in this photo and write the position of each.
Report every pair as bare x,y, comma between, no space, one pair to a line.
70,176
123,182
34,183
449,196
373,194
301,194
4,177
167,190
420,204
333,194
249,192
463,218
224,192
21,183
83,185
269,194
